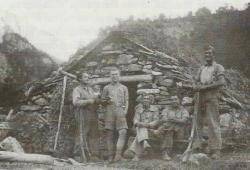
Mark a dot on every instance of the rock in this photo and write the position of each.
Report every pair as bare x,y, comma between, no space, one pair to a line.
30,107
148,91
143,85
164,93
11,144
166,82
163,88
147,71
134,67
199,159
41,102
156,73
149,66
92,64
125,59
164,102
187,101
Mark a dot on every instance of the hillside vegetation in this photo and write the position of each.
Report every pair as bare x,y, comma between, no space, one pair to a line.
228,30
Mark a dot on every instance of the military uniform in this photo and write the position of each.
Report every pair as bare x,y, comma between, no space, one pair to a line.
115,116
87,121
142,133
208,112
173,129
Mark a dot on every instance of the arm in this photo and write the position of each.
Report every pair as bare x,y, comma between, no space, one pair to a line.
104,94
77,101
126,100
220,81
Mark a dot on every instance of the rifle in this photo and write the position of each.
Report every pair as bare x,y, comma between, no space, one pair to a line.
188,151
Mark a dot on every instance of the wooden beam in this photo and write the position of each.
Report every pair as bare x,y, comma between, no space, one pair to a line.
131,78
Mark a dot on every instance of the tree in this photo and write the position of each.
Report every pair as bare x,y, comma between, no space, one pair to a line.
203,12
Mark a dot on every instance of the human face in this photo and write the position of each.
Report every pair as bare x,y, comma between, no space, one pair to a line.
85,79
115,76
209,57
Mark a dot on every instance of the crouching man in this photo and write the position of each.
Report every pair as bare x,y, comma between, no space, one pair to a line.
145,116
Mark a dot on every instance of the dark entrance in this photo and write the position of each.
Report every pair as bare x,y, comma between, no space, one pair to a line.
132,91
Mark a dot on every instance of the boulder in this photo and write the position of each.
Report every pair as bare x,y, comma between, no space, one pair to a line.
11,144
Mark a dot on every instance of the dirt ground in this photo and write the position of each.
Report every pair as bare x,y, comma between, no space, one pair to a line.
228,161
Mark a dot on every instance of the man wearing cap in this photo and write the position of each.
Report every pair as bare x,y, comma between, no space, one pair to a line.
84,100
145,114
115,115
209,80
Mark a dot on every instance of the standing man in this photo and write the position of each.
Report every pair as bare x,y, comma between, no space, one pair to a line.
210,79
84,99
115,116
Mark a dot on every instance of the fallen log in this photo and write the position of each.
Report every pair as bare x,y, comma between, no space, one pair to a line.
6,156
28,158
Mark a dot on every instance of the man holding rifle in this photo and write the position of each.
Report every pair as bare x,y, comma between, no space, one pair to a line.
209,80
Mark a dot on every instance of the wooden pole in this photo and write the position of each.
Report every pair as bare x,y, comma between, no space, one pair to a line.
61,111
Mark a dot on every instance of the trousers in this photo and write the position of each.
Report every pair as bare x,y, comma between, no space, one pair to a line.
208,114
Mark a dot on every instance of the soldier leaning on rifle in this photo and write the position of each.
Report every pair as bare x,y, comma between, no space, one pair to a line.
210,79
87,137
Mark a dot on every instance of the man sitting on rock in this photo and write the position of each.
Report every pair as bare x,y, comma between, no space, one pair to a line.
172,124
144,115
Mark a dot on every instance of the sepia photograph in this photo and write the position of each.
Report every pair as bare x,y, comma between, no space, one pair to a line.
124,84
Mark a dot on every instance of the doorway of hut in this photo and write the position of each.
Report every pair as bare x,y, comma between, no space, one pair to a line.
132,91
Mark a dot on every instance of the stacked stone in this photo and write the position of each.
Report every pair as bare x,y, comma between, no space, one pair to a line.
30,124
165,70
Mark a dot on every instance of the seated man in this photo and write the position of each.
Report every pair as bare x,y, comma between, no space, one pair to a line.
172,125
145,114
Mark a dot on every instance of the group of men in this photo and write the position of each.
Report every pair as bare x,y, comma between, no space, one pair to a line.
150,124
115,98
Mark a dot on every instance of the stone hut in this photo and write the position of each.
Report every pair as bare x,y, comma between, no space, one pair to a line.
142,70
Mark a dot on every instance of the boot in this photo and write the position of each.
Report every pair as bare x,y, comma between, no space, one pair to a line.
215,154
